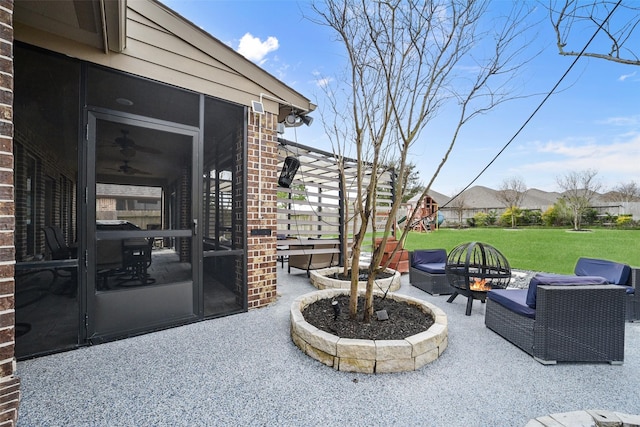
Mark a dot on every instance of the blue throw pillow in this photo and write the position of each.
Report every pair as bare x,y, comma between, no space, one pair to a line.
429,256
559,280
616,273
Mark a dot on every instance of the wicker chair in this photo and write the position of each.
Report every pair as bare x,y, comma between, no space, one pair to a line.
571,323
616,274
427,271
633,298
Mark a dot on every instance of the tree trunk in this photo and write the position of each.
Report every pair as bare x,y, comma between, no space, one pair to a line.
353,296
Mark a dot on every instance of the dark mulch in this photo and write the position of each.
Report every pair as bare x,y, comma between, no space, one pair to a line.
404,319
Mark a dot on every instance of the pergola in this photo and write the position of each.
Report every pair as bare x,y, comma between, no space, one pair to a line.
317,205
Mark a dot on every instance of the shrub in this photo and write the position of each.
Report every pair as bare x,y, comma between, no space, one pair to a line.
531,217
505,218
550,217
481,219
624,221
558,214
589,216
492,217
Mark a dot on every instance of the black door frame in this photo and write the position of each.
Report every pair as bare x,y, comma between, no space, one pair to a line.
94,332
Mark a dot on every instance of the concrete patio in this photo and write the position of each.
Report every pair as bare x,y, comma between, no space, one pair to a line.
244,370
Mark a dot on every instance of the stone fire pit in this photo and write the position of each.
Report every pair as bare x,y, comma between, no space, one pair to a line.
369,356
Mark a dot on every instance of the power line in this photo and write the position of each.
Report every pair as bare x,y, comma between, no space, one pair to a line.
544,100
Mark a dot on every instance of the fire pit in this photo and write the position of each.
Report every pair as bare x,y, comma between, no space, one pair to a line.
475,268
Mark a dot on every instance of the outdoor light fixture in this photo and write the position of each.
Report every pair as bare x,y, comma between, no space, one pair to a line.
291,120
289,169
295,120
336,309
306,120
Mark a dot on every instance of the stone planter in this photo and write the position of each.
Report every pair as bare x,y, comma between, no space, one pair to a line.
319,279
369,356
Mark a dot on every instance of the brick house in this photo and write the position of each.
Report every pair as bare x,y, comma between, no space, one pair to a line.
129,93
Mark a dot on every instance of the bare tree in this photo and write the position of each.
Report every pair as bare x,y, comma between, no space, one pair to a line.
579,189
458,204
511,193
625,192
575,21
408,59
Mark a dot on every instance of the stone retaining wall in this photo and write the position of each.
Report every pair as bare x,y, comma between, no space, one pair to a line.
321,280
369,356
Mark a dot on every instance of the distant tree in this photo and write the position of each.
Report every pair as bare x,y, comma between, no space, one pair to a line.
414,185
625,192
458,205
579,189
574,21
297,194
511,193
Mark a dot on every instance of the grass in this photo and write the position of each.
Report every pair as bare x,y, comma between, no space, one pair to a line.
552,250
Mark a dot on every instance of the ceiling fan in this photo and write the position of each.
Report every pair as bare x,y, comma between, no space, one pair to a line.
128,147
129,170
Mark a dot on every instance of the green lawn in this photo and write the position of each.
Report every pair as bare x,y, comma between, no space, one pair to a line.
550,250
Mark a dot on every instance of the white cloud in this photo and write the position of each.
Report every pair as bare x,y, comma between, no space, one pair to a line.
621,121
626,76
256,50
619,158
323,82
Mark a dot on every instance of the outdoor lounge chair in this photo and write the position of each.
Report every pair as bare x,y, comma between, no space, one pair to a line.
321,255
561,318
427,271
616,274
56,244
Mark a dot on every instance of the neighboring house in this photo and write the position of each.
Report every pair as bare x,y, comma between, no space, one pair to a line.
140,205
483,199
110,92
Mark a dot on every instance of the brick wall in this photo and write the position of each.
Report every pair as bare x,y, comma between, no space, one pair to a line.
261,197
9,384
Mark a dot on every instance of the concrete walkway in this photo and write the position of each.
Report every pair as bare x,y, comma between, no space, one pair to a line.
243,370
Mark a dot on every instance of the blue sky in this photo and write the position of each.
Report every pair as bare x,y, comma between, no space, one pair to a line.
593,122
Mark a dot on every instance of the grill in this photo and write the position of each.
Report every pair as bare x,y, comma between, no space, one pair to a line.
475,268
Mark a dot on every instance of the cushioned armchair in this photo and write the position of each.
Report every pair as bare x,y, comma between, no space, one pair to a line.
427,271
562,318
615,273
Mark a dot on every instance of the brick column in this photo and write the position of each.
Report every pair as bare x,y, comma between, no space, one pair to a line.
262,150
9,384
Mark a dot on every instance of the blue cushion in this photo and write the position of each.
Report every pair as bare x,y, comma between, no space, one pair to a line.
514,300
559,279
615,272
433,268
429,256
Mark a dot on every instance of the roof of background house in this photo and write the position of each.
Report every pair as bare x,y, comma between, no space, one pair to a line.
127,191
480,197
